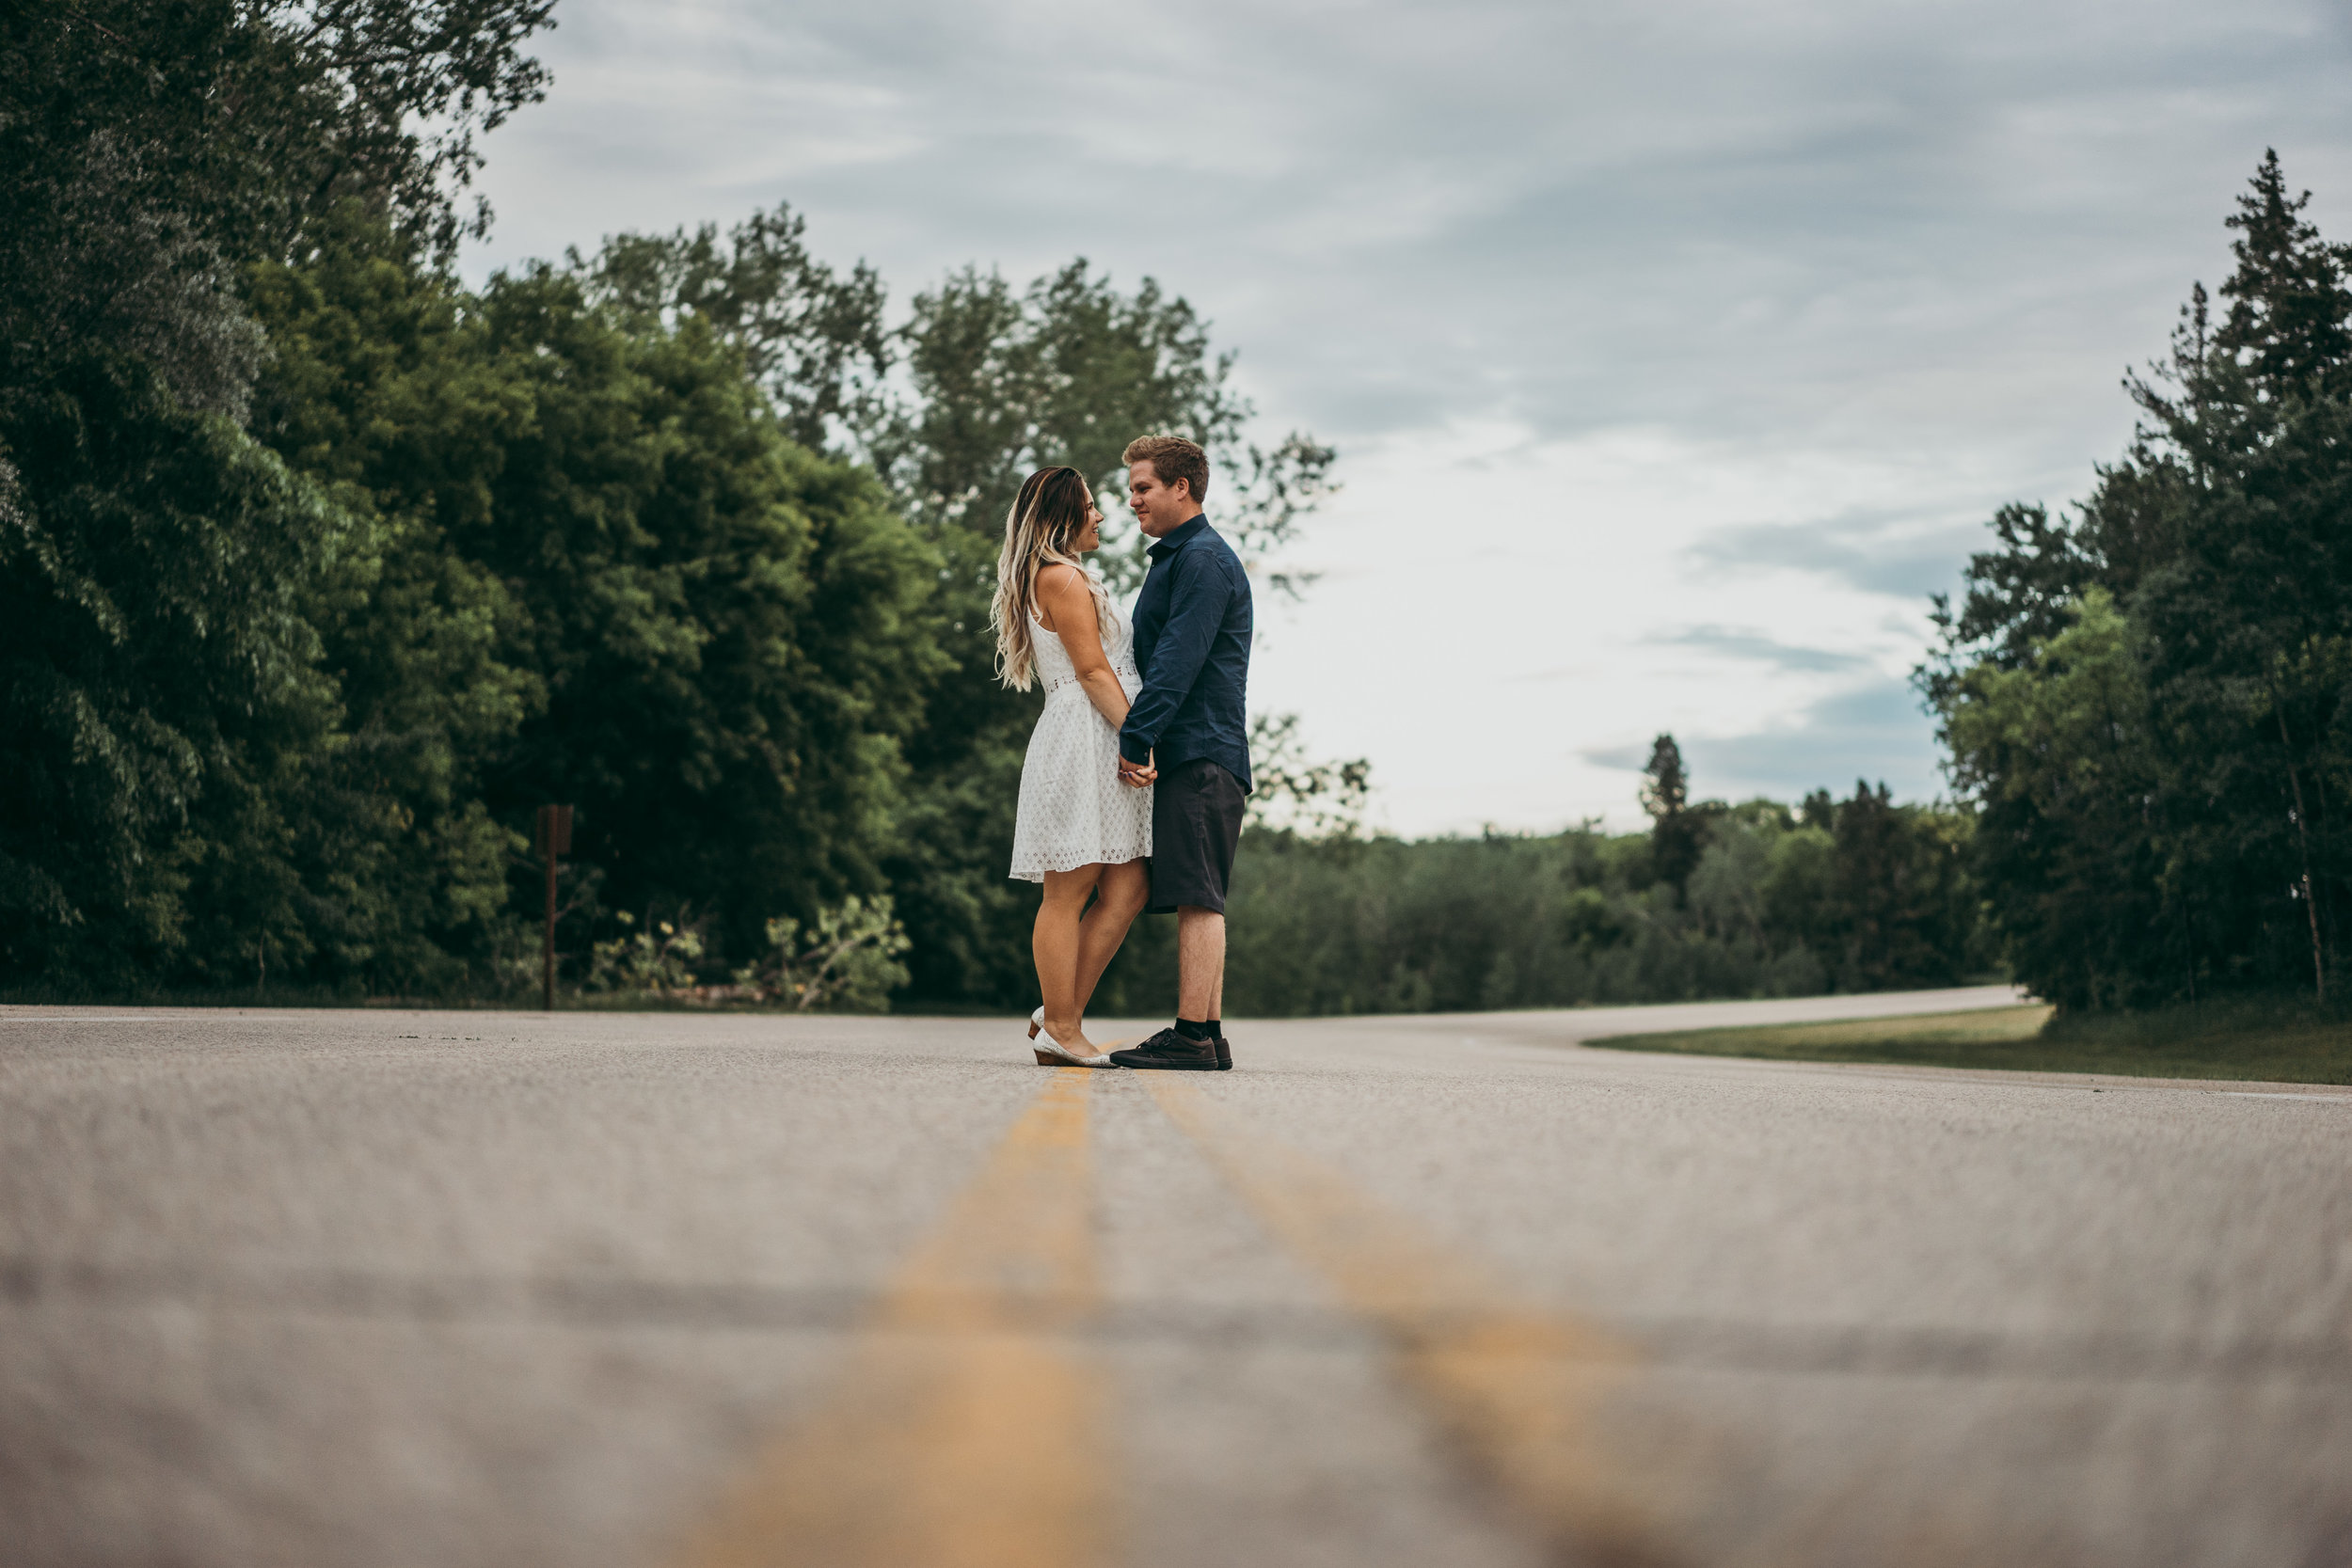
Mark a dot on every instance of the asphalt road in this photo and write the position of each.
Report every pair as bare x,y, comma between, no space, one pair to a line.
388,1287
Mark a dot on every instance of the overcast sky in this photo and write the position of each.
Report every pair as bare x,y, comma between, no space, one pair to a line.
1674,352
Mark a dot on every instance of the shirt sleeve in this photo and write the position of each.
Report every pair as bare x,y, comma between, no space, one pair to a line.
1197,602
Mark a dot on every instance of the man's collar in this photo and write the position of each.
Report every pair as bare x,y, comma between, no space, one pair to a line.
1177,538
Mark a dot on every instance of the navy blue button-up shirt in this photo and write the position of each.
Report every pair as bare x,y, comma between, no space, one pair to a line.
1192,645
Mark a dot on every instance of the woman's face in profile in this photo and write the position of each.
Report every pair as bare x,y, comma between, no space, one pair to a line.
1091,532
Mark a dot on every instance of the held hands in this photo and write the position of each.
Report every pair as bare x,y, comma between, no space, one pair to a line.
1136,775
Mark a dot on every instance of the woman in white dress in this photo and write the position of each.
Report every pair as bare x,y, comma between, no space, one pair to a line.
1082,831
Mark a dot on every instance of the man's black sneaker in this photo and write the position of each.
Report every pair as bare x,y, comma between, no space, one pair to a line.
1170,1051
1224,1055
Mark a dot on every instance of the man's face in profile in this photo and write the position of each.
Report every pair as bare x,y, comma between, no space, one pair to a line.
1161,508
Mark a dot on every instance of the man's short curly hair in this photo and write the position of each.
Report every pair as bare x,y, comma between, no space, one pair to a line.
1173,458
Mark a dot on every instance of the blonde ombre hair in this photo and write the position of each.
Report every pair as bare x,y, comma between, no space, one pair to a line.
1046,519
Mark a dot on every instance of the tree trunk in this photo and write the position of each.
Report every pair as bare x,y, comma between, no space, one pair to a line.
2311,894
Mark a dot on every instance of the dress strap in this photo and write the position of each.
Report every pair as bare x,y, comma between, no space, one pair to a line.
1104,610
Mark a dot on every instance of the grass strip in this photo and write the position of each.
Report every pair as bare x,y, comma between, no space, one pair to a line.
2179,1043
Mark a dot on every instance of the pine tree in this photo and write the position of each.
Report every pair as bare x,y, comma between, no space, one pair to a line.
2221,539
1678,835
2289,325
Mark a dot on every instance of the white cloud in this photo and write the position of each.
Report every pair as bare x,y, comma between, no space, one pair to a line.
1504,618
1628,320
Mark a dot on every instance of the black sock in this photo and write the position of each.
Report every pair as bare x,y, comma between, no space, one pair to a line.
1216,1028
1192,1031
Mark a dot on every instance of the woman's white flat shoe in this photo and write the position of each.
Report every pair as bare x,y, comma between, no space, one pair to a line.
1051,1054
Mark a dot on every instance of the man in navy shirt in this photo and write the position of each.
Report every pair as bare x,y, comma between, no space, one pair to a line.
1187,735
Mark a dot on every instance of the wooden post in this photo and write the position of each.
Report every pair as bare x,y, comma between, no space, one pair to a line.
555,840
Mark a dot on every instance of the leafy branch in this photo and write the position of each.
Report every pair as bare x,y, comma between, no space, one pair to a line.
848,959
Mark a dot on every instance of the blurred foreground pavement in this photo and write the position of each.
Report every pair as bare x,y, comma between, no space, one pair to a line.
480,1288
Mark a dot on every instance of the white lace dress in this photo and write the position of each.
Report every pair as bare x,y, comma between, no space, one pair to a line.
1073,809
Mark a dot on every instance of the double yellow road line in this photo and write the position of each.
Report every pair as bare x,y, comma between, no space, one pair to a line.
1516,1385
966,1430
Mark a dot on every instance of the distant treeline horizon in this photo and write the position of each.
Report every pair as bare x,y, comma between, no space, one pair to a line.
1759,898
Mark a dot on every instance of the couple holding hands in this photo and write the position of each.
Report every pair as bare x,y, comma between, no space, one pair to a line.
1133,790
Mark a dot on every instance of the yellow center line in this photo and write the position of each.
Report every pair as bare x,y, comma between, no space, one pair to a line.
1516,1385
964,1433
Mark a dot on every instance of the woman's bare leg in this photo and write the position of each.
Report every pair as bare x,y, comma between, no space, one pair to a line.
1119,895
1056,941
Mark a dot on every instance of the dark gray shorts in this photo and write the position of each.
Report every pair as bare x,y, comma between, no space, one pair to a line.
1195,826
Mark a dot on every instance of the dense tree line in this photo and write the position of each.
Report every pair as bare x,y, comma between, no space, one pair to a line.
186,793
2147,698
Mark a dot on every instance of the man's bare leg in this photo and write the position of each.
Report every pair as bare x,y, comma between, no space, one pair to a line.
1200,963
1200,979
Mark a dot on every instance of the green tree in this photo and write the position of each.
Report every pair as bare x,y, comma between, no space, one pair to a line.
734,633
1001,383
159,685
1069,371
1900,897
1677,834
1290,790
2058,753
814,341
603,574
2219,545
381,391
181,801
995,382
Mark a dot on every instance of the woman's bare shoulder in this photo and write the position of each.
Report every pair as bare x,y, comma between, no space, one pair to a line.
1058,578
